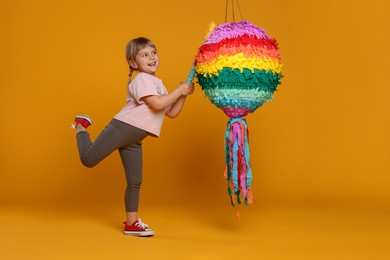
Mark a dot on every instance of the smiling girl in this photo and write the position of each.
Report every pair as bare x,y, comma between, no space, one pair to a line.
148,102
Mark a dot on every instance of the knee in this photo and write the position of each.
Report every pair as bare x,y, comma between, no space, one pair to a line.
88,163
134,185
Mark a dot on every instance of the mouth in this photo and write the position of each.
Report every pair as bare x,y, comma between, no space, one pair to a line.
152,64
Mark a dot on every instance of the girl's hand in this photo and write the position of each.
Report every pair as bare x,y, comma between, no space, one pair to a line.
186,89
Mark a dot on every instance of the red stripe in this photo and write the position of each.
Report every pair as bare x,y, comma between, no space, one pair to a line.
241,40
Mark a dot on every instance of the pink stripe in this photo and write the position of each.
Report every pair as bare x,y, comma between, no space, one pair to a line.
234,112
231,30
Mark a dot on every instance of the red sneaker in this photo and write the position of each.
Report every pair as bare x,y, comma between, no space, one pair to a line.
83,120
138,229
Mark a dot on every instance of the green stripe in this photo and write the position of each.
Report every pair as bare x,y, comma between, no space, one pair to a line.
234,79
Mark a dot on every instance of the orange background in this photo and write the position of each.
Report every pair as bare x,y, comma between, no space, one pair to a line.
324,136
319,151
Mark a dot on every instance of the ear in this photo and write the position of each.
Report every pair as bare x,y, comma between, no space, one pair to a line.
133,64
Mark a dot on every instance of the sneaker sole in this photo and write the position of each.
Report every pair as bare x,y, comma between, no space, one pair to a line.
139,233
86,118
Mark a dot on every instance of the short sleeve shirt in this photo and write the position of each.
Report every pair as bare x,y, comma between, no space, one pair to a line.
136,112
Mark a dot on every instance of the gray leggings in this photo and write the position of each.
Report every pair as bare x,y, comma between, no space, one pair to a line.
127,139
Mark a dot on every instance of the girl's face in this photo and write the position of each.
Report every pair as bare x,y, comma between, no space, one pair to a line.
147,60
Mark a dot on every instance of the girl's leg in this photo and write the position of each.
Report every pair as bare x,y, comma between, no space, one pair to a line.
127,139
90,153
131,156
132,162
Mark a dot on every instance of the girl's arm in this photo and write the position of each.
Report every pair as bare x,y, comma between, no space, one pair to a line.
176,107
176,96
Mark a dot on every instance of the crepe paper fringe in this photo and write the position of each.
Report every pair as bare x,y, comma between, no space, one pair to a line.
238,61
234,112
241,96
228,102
212,26
238,170
238,68
236,108
249,45
241,79
233,30
244,91
238,216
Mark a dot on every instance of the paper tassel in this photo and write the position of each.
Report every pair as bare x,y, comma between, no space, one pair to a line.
238,170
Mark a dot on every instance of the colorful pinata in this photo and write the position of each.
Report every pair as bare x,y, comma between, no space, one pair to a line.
238,68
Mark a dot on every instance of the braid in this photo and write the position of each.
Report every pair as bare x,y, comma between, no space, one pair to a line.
130,74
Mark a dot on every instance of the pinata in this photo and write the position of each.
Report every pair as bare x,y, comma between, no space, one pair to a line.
238,68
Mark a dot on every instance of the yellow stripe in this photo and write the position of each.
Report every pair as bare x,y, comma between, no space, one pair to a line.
238,61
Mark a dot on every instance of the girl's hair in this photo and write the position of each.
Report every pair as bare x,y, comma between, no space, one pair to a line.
132,49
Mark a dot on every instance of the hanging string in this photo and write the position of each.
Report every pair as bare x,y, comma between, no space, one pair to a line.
227,3
234,20
239,9
233,15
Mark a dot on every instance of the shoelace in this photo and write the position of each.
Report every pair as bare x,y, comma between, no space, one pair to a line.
141,224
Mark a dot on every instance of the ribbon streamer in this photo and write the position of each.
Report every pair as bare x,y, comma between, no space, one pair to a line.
238,170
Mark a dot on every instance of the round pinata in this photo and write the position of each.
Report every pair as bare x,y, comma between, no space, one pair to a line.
238,68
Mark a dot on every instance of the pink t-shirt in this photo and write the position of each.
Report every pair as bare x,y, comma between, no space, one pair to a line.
136,112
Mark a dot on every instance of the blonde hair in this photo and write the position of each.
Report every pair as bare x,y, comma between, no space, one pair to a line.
132,49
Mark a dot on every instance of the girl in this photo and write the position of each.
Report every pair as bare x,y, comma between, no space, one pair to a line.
148,101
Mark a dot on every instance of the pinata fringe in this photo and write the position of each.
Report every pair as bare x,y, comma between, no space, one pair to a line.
238,170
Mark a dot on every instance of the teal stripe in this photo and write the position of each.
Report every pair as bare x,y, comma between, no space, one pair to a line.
255,95
229,103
